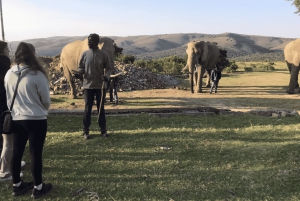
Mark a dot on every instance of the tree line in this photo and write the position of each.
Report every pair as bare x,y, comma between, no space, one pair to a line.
174,64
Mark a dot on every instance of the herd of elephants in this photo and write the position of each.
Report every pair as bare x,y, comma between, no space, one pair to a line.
200,53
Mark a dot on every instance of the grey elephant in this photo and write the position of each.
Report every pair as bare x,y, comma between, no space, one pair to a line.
206,55
71,54
205,75
292,59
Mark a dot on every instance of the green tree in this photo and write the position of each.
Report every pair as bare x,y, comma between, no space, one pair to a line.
296,3
223,61
232,66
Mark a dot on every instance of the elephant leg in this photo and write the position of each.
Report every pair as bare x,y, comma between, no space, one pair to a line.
71,83
200,78
297,83
208,78
293,78
289,65
195,79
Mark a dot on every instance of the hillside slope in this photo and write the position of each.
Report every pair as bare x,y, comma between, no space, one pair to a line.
157,46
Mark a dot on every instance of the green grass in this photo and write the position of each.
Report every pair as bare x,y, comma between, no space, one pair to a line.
215,157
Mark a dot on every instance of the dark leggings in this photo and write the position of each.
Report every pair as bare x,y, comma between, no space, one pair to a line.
34,131
89,95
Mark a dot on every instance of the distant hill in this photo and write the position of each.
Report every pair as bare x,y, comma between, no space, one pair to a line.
157,46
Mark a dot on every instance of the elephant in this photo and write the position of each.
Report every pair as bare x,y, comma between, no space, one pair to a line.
205,75
204,54
292,59
71,54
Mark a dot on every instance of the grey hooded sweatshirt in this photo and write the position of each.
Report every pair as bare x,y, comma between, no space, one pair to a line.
33,97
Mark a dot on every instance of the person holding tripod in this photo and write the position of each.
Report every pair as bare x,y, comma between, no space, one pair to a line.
95,68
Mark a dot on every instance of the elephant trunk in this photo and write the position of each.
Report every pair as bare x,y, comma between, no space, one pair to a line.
191,65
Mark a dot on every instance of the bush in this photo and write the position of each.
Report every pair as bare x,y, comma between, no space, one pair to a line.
140,63
248,69
125,58
265,67
168,65
232,67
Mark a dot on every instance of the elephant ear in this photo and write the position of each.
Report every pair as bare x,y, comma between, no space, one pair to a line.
204,51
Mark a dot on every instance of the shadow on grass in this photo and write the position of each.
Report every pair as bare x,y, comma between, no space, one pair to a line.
251,101
179,121
200,166
212,158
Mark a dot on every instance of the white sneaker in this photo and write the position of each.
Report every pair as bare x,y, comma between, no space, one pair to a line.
9,178
23,163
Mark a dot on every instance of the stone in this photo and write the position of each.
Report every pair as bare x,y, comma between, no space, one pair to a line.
283,114
133,78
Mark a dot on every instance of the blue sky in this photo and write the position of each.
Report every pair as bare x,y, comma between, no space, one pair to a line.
28,19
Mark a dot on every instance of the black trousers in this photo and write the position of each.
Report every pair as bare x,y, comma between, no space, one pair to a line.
35,131
113,94
89,95
214,85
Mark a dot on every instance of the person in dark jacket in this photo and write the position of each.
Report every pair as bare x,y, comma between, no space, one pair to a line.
113,81
4,67
95,68
215,76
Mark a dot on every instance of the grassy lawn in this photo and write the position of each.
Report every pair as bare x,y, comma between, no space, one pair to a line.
215,157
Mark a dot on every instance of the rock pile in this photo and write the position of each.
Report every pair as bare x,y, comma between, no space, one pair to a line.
133,78
137,78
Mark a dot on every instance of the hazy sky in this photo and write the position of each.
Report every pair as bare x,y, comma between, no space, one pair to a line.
28,19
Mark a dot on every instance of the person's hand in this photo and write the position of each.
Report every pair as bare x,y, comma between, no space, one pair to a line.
104,78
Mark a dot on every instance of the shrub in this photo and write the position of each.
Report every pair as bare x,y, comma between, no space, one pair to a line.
125,58
265,67
232,67
140,63
248,69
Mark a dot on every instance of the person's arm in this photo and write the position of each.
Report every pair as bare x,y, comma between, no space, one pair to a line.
116,75
44,92
212,75
184,69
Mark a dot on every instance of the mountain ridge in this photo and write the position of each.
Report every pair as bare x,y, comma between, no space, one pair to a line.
163,45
